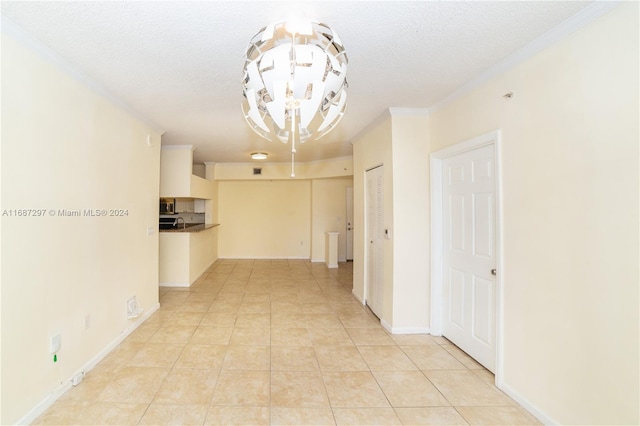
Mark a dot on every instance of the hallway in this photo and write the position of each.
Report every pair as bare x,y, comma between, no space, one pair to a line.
281,342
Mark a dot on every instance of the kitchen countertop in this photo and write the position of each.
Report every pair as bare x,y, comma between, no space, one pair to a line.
191,228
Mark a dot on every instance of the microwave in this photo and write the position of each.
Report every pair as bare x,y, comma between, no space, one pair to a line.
167,206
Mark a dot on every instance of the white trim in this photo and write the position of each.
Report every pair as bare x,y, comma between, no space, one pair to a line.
527,405
435,160
50,399
167,284
256,163
191,147
435,166
389,113
499,373
403,330
385,114
265,258
358,298
344,157
554,35
13,30
203,271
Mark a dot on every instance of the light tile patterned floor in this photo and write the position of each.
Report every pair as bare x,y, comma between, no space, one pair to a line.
280,342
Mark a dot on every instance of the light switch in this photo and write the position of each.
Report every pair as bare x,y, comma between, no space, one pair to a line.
54,344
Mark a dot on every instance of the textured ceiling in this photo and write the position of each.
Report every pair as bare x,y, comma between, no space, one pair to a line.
179,64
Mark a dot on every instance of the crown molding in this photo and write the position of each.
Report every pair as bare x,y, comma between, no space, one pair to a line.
389,113
168,147
17,33
590,13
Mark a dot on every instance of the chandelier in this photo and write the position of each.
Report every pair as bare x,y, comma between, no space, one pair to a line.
294,82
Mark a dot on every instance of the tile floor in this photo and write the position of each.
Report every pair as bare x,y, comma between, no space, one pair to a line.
280,342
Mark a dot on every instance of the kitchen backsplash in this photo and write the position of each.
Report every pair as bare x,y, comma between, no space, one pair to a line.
189,205
188,217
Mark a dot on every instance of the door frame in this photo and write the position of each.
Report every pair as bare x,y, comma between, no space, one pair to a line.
437,247
349,222
365,227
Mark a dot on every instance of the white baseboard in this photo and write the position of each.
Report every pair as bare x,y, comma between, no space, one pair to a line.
340,260
186,284
48,401
174,284
404,330
264,258
527,405
358,298
205,269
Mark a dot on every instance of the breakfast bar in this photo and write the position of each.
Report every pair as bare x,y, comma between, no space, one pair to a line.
185,253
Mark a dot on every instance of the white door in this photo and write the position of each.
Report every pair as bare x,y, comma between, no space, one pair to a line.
469,253
374,237
349,231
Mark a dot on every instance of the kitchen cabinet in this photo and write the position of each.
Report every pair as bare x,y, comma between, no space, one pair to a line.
176,177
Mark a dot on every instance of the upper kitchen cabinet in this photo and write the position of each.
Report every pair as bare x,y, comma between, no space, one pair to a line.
176,175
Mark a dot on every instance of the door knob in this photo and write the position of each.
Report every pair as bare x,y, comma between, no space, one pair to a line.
494,272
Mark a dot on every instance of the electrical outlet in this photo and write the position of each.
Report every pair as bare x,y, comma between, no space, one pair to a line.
133,310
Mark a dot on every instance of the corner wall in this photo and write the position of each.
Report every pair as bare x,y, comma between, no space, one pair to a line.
264,219
274,216
66,151
398,140
570,219
372,148
411,269
328,214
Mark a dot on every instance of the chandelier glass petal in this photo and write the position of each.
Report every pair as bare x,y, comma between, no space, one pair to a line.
294,81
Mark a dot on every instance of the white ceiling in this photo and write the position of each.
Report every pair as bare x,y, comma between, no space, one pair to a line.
179,64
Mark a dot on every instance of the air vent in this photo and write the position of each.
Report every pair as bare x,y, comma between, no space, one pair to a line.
257,170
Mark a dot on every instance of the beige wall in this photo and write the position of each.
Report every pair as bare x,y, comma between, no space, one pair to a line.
253,210
176,164
337,167
399,142
410,229
570,198
264,219
328,214
64,147
174,258
372,148
203,249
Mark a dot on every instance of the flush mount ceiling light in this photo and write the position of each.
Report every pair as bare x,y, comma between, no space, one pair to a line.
259,155
294,82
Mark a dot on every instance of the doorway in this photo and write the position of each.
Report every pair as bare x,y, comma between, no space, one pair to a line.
374,237
466,234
